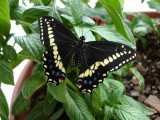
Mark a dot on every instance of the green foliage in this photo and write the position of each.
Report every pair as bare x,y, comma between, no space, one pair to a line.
108,101
154,4
6,73
4,18
4,111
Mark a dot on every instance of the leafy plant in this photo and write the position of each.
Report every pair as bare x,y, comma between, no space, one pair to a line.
107,102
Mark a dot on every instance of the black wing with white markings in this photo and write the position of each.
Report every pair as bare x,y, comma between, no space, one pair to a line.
60,47
100,57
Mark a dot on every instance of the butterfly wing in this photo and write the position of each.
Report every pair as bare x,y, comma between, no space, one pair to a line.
60,47
100,57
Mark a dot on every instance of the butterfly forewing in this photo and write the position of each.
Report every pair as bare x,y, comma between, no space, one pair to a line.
60,47
99,58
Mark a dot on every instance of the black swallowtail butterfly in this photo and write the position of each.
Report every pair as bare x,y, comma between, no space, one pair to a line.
95,58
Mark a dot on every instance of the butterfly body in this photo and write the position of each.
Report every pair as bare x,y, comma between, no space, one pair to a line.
95,59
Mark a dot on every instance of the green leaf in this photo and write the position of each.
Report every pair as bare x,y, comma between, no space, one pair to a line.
48,102
4,17
157,1
57,114
46,2
37,113
54,13
114,84
76,107
154,5
22,55
126,100
6,73
4,111
9,53
110,34
76,10
58,92
33,83
20,105
13,3
125,112
139,77
108,111
16,13
158,30
34,13
31,44
121,27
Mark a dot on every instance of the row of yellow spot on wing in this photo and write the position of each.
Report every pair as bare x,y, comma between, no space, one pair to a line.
106,61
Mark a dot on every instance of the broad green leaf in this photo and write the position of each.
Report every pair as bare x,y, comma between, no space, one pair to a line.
76,107
4,17
116,4
6,73
9,53
22,55
57,114
54,13
20,105
126,100
37,68
110,34
139,77
48,102
34,13
154,5
58,92
33,83
114,84
76,10
157,1
46,2
31,44
13,3
4,111
125,112
16,13
121,27
2,41
37,113
108,112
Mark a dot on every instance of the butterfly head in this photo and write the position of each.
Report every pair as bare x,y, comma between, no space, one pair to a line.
82,38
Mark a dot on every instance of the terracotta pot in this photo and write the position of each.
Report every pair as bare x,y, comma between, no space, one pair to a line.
23,76
151,14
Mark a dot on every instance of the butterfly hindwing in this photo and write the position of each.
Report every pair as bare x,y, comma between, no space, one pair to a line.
60,47
99,58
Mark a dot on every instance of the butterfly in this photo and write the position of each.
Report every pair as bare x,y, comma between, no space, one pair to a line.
96,59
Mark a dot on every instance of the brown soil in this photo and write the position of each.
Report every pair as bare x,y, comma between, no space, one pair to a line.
148,64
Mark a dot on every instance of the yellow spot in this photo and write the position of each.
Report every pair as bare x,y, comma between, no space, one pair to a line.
97,64
127,60
110,59
125,52
122,46
44,59
63,70
46,52
58,57
120,64
52,44
55,61
104,74
117,54
102,63
129,52
51,40
49,28
116,67
123,62
121,53
42,38
92,67
89,91
86,73
49,32
55,48
55,57
60,65
57,64
50,80
47,73
51,36
55,52
99,80
45,66
114,57
94,86
106,61
52,19
81,75
84,90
